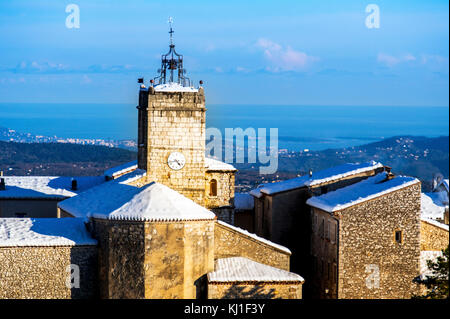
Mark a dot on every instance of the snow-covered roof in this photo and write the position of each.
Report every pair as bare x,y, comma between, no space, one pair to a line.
360,192
432,206
44,232
240,269
443,184
435,223
116,171
120,201
324,176
243,201
446,184
254,236
156,202
101,196
174,87
47,186
426,255
212,164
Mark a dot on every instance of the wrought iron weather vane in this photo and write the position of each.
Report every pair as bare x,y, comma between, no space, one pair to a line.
171,63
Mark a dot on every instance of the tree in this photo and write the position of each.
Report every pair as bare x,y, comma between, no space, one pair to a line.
437,283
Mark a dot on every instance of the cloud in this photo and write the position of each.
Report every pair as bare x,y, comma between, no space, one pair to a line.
284,59
35,67
391,61
434,59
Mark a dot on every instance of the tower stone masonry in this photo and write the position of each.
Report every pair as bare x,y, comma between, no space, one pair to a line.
173,122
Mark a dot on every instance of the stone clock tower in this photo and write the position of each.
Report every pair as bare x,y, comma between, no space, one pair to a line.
171,129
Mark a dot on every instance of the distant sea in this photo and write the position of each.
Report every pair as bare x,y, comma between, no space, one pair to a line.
299,127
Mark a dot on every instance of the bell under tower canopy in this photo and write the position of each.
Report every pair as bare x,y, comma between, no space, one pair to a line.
172,70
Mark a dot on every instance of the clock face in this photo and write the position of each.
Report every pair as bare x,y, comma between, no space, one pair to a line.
176,161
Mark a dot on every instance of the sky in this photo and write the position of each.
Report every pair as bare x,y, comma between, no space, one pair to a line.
281,52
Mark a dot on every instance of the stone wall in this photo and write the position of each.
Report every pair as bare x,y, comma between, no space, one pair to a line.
178,255
173,122
433,237
121,258
154,260
225,189
231,243
262,290
368,250
41,272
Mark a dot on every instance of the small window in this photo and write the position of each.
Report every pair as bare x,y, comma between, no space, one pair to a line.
398,236
213,188
20,215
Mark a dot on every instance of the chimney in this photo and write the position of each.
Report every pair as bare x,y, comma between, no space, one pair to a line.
74,184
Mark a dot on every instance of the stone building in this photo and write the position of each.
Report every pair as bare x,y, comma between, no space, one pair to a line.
36,255
284,212
366,239
151,242
282,215
149,229
171,140
38,196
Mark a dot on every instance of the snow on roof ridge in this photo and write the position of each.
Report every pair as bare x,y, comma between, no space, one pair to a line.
435,223
93,198
370,166
369,188
326,175
21,232
174,87
254,236
241,269
214,164
120,169
156,202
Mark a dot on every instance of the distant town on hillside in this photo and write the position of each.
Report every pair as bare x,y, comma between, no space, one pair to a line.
28,154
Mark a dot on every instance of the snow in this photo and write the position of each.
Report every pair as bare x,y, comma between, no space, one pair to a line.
360,192
120,201
254,236
156,202
100,196
44,232
174,87
324,176
121,169
240,269
215,165
47,186
424,256
435,223
243,201
445,184
432,206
